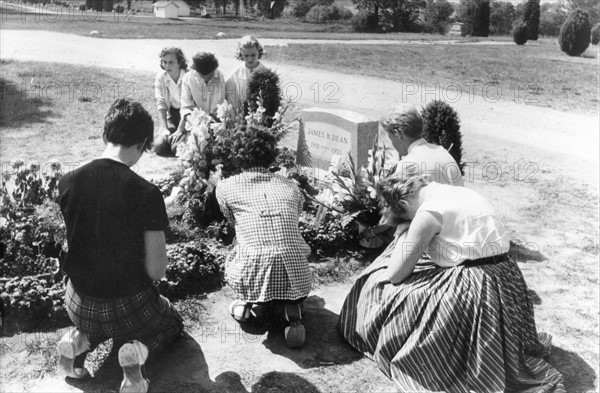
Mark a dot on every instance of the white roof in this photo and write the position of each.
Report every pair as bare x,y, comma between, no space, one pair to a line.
161,4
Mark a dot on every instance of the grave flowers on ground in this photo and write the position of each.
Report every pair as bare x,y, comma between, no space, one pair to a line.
352,197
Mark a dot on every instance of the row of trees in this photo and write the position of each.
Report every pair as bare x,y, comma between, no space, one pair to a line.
479,17
268,8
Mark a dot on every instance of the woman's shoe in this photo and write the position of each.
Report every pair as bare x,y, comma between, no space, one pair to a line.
71,346
295,334
132,357
240,311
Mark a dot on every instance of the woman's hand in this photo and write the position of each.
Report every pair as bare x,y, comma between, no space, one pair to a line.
408,251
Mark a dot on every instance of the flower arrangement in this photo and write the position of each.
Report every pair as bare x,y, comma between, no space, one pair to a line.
353,196
207,153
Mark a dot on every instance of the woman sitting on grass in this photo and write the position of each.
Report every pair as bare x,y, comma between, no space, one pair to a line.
459,321
167,92
268,264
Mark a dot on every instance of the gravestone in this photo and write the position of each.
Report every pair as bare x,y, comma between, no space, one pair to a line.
329,135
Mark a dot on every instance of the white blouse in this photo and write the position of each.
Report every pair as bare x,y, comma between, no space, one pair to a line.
470,228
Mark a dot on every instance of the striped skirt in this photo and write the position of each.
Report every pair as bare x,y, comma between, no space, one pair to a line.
457,329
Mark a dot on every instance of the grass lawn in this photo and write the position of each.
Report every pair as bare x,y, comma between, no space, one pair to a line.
46,103
538,74
15,17
556,216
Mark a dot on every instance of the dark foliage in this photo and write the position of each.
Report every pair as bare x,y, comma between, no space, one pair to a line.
264,85
329,237
365,22
481,20
193,268
520,33
502,16
574,36
441,126
271,8
438,15
552,18
532,18
475,16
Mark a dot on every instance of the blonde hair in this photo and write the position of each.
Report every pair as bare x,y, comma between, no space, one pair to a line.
396,189
249,41
408,122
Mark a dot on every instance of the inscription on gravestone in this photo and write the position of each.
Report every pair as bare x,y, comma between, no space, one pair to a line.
329,135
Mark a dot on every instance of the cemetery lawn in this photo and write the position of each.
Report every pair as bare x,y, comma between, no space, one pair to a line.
555,215
147,26
535,74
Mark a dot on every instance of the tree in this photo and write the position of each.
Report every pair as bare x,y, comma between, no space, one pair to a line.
391,15
438,13
221,6
574,35
552,17
271,11
520,33
475,16
532,18
502,17
592,7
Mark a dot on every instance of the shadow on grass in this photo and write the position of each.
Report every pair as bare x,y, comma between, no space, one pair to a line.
525,252
324,345
182,368
20,105
579,377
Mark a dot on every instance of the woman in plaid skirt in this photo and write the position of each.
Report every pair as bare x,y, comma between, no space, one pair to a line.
115,230
268,264
460,320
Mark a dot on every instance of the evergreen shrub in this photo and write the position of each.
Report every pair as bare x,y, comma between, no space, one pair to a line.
574,35
441,126
520,33
264,85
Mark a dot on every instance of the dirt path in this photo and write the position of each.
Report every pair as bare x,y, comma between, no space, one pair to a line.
219,357
551,139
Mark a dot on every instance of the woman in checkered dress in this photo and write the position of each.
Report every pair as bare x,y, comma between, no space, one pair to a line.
458,321
268,263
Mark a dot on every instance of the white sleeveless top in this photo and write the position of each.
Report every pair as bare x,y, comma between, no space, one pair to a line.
470,228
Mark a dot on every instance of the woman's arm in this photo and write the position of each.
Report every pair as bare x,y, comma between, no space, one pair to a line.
155,254
162,120
407,253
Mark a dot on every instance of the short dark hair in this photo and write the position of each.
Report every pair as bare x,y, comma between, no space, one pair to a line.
205,63
178,55
254,148
408,122
127,123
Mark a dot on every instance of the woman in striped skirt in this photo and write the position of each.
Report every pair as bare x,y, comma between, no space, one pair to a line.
459,320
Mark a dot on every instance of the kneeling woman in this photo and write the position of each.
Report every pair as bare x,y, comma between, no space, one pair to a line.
457,321
268,264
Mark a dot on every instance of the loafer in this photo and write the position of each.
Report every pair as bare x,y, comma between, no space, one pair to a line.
71,346
240,311
132,357
295,334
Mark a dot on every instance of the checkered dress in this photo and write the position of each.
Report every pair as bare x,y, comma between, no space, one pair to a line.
268,261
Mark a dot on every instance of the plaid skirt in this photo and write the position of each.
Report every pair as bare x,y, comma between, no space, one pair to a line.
146,316
459,329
